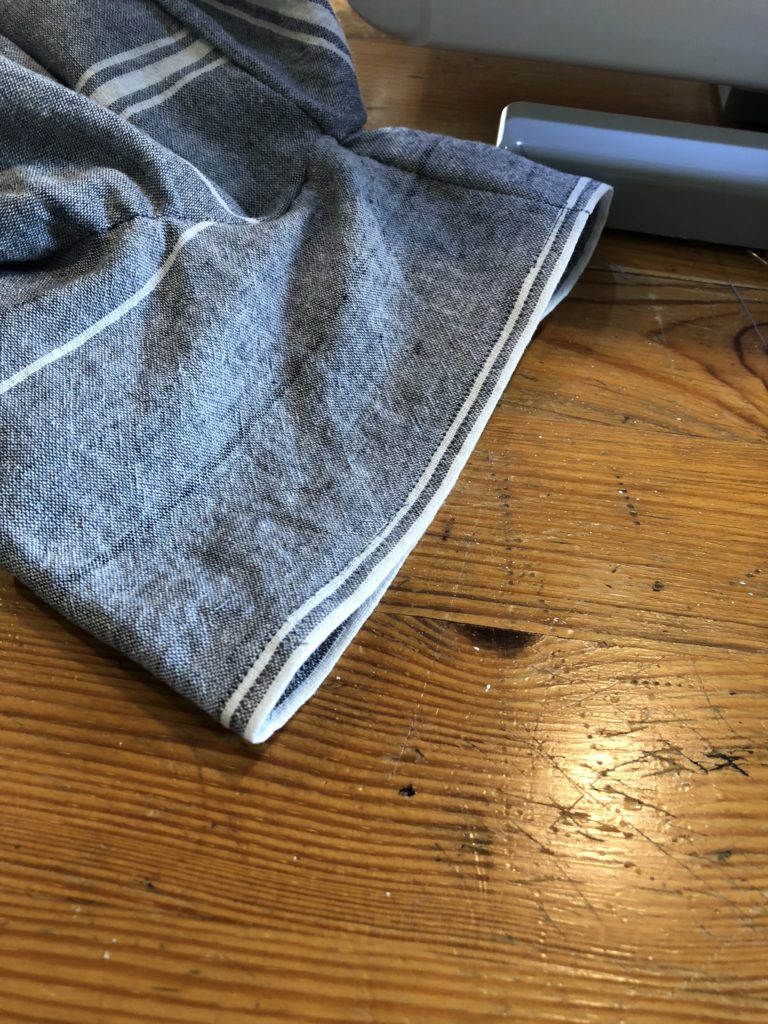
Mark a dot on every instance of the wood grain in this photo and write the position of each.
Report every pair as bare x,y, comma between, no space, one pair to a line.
536,786
467,823
621,488
670,258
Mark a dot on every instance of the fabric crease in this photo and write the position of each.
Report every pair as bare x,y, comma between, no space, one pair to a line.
224,426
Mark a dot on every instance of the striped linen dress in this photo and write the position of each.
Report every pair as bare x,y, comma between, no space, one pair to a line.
246,346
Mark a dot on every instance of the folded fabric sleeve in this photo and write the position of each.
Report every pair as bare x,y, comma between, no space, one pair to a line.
246,346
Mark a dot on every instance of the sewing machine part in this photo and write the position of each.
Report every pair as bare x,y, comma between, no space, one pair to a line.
670,178
707,40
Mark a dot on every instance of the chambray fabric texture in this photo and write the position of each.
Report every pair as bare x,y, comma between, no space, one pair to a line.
246,346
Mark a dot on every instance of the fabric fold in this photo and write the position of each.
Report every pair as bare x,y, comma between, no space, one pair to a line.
247,346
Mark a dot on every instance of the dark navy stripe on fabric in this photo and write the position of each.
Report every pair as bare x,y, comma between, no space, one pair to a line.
258,22
306,27
323,86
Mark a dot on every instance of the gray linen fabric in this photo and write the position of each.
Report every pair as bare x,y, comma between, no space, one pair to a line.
247,347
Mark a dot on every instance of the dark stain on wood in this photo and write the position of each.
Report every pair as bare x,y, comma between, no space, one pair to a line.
499,639
753,332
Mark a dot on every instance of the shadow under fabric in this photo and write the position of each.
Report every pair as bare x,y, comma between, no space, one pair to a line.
247,346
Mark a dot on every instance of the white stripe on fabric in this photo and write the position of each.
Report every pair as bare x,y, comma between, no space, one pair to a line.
161,97
216,194
106,321
277,717
126,55
258,727
302,10
341,612
133,81
279,30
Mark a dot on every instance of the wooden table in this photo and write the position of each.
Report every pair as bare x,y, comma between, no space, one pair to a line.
536,787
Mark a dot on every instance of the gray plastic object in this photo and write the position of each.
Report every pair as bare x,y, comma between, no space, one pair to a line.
711,40
670,178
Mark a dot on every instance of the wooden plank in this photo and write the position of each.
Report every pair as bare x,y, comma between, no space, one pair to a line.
595,538
673,357
626,253
620,487
463,825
